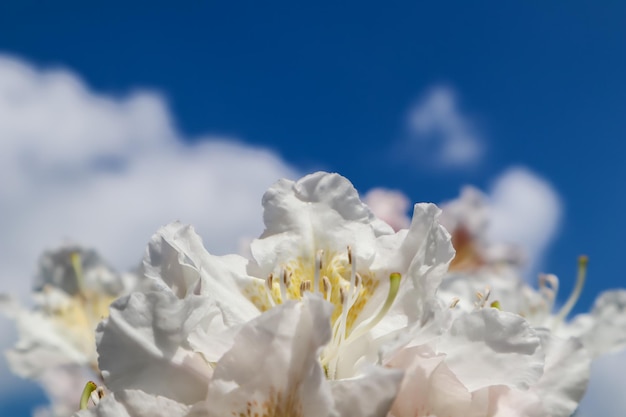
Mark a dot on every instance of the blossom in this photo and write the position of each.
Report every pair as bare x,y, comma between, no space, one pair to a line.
321,243
56,345
484,358
333,314
269,366
569,345
319,238
382,285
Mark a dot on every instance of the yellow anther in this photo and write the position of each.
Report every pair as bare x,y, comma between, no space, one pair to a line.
496,305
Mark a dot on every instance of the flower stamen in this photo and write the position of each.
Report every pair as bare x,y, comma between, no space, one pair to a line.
269,287
90,387
305,286
318,269
283,286
394,286
327,288
575,295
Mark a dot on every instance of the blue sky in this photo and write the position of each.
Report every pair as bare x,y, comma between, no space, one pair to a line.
332,86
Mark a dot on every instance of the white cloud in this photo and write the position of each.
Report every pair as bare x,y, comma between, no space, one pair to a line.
525,210
440,135
106,172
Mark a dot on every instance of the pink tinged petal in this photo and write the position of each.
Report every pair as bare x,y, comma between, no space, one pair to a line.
369,395
429,387
177,261
565,377
502,401
503,348
143,345
134,403
273,367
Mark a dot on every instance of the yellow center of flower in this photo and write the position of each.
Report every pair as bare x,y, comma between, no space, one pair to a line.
78,315
336,277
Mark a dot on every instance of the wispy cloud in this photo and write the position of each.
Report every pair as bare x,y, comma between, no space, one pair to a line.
107,172
440,135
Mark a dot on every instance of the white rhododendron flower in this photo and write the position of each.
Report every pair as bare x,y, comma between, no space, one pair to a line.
379,286
334,313
479,278
319,238
56,345
489,269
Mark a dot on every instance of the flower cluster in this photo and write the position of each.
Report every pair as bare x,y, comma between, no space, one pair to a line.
333,314
57,347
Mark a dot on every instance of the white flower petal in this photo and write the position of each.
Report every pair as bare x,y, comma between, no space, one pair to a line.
604,329
320,211
491,347
369,395
134,403
273,366
176,259
42,344
143,345
427,252
565,376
